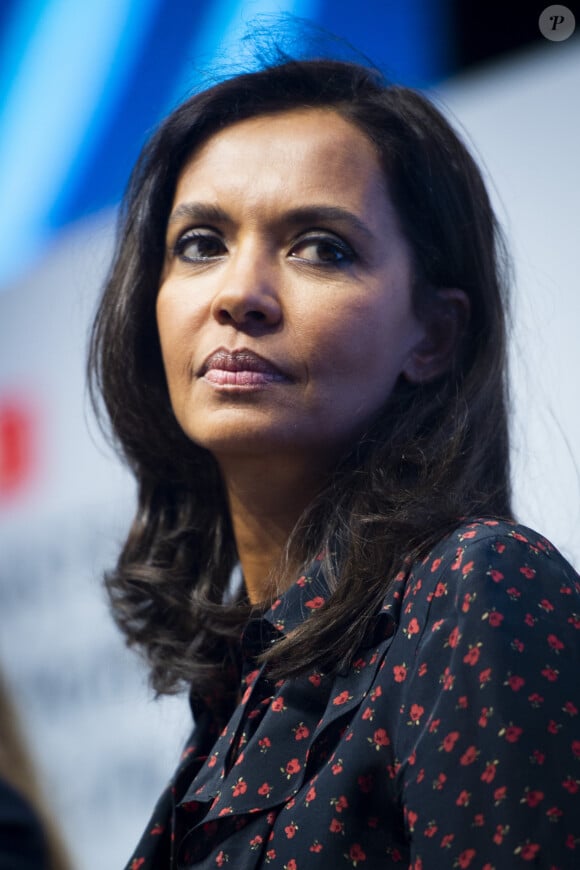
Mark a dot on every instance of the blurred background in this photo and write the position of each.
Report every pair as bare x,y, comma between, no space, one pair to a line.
82,85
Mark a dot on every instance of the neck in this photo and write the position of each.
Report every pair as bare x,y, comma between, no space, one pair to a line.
266,499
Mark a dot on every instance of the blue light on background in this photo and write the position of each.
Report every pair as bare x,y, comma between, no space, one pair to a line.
82,85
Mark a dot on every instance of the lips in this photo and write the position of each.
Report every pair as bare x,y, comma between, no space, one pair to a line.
240,367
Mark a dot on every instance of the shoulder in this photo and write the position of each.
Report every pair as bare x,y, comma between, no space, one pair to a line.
491,570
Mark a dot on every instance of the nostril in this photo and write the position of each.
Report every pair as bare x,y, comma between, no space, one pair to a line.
256,315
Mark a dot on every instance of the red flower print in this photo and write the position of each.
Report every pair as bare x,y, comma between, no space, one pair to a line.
265,789
528,852
463,798
434,726
156,830
341,699
472,656
440,589
336,768
292,767
440,782
290,830
546,605
494,618
340,804
576,748
479,820
310,794
264,743
376,693
512,733
301,732
336,826
422,669
551,674
416,712
488,774
485,714
368,714
571,785
412,819
515,682
468,756
413,627
527,572
485,676
277,705
467,569
518,645
450,740
555,643
453,638
533,797
495,575
466,858
239,788
553,727
356,854
468,598
136,863
291,865
458,557
380,738
221,858
570,708
315,679
430,830
256,841
535,699
435,564
554,813
400,672
500,832
447,678
530,620
315,603
538,757
316,847
447,840
225,811
270,854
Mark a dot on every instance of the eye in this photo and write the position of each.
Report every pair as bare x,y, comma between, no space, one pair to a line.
323,250
195,246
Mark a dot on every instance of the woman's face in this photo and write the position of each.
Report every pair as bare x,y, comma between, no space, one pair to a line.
284,310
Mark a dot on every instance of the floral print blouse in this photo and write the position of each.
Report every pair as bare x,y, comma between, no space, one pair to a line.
452,741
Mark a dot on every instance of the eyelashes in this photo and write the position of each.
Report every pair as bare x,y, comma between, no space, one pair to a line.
316,248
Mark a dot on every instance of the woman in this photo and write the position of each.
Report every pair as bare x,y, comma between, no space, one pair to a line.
301,349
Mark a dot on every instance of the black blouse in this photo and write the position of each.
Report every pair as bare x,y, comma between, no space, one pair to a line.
452,741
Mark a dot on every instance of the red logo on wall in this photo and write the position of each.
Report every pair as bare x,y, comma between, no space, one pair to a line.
17,425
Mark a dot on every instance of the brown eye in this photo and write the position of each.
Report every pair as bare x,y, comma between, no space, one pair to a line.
323,251
196,246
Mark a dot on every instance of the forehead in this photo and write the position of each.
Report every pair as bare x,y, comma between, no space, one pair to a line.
312,154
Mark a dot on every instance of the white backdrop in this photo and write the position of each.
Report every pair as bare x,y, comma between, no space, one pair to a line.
104,747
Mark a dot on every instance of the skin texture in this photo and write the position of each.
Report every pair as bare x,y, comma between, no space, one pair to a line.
324,298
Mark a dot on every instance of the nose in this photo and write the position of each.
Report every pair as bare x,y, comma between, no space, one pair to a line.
249,293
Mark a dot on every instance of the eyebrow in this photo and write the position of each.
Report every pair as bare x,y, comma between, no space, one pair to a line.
308,214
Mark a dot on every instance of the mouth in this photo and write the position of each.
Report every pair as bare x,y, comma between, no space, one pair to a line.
240,368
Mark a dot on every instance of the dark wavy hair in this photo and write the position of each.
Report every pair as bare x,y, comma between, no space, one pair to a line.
436,452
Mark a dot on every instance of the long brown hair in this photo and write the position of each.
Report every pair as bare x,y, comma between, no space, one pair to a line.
435,453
